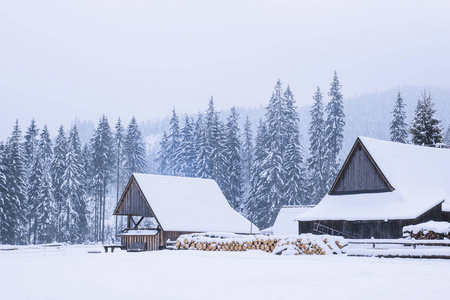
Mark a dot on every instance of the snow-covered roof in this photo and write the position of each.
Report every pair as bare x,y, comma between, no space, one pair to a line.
144,232
285,223
419,175
190,204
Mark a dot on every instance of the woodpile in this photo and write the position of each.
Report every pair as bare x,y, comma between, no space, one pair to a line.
430,230
295,245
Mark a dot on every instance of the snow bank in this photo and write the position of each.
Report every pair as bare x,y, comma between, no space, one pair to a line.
430,230
285,245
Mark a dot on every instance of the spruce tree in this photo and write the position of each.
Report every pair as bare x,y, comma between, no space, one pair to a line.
425,128
173,146
134,148
13,225
3,186
203,149
316,163
74,216
119,137
162,159
103,158
58,168
247,157
447,136
187,149
233,190
334,130
398,126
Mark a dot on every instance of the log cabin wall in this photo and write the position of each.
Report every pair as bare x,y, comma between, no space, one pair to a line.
151,241
379,229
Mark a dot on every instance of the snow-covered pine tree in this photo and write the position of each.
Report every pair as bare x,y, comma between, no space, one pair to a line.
162,159
35,182
3,187
134,148
247,159
119,137
44,229
334,130
425,129
74,226
90,195
215,146
447,136
273,173
57,170
202,148
173,146
187,146
13,225
257,204
295,183
233,190
30,146
398,126
103,158
316,164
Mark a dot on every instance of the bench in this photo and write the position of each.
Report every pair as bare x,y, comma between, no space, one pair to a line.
137,247
112,247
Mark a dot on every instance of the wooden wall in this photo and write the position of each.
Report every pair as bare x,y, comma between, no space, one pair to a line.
378,229
151,241
133,202
359,175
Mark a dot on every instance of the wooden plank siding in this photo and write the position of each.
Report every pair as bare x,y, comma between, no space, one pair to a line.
360,174
133,202
379,229
151,241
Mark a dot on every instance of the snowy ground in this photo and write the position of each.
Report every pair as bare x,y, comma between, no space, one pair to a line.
72,273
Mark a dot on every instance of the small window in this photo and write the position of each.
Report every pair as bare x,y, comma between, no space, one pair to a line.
359,148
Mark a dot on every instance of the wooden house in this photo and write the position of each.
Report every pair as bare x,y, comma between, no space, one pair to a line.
382,187
177,205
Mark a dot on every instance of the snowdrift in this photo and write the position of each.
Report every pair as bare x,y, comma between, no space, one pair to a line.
281,245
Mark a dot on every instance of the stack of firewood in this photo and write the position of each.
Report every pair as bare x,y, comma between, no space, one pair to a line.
431,230
302,244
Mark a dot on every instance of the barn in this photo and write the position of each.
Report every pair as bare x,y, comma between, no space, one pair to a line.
382,187
160,208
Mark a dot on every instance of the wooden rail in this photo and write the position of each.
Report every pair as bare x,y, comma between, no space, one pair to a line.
414,243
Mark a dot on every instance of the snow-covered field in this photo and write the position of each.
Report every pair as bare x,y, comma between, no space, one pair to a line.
72,273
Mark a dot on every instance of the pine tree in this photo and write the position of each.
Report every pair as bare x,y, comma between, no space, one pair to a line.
120,159
134,148
102,145
295,189
398,126
31,147
74,220
3,186
187,147
58,168
233,190
13,225
203,149
316,164
247,158
425,128
163,161
173,146
44,229
334,129
447,136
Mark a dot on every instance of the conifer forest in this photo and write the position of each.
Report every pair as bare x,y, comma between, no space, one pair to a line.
53,187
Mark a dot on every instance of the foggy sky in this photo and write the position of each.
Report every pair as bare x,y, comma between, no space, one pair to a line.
65,59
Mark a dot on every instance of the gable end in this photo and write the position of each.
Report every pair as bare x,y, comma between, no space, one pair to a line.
360,174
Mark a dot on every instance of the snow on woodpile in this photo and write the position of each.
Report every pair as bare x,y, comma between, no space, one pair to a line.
430,230
285,245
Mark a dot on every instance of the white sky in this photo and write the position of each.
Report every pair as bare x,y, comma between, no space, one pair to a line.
65,59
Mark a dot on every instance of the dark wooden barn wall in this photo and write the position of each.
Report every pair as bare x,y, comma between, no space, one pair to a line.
360,175
134,202
379,229
151,241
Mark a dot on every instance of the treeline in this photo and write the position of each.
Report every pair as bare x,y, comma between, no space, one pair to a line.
64,191
260,174
57,190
